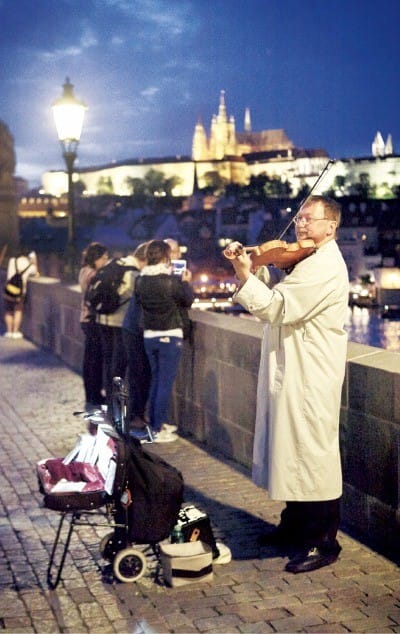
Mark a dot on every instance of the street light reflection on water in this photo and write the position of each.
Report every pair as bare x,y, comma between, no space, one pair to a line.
365,325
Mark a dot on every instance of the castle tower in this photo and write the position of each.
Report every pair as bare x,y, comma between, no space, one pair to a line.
231,146
223,134
389,150
378,145
213,137
199,143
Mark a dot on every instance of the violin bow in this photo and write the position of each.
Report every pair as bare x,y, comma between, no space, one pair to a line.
3,253
327,166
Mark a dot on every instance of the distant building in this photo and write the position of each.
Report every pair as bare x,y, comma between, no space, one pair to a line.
8,196
380,148
235,156
224,141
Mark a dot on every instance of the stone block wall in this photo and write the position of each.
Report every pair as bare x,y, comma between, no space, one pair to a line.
215,393
51,319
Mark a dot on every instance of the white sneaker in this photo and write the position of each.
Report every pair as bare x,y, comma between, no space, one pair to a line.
170,428
163,436
8,335
17,335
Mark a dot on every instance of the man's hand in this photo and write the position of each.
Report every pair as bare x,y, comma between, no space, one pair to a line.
241,261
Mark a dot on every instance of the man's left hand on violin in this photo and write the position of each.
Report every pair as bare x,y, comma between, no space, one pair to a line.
241,262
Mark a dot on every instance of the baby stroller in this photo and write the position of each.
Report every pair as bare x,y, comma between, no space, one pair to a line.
108,475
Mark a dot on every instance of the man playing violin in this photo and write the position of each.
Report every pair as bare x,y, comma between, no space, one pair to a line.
303,358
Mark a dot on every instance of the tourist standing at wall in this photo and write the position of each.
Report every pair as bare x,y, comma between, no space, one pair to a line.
296,444
19,269
138,368
93,258
162,296
115,358
176,252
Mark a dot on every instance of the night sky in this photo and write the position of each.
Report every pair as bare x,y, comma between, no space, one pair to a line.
327,71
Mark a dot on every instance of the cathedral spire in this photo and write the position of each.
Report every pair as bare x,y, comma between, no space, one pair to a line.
378,145
389,150
222,107
247,120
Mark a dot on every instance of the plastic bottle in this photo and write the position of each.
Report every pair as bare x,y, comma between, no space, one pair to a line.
177,536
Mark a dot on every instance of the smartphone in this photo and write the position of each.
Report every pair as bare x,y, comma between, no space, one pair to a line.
178,266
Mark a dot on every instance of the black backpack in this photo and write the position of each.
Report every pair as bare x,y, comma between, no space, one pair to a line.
14,287
102,295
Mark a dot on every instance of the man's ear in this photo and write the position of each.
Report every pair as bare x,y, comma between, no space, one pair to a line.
332,227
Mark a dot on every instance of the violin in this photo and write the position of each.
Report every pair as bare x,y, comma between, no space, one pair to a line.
283,255
277,252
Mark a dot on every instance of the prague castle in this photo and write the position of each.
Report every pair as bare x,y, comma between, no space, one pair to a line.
235,157
224,141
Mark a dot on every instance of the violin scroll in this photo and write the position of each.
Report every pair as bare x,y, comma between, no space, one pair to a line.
233,250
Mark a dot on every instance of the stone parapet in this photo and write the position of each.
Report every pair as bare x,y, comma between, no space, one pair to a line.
215,395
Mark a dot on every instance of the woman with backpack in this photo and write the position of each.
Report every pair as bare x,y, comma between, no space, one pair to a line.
19,269
94,257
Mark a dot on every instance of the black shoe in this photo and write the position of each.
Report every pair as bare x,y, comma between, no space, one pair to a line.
312,559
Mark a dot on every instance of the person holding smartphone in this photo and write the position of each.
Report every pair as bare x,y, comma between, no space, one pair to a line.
162,297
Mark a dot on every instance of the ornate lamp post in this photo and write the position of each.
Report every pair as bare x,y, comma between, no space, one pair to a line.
68,114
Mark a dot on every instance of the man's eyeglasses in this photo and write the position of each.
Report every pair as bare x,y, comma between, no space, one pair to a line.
303,220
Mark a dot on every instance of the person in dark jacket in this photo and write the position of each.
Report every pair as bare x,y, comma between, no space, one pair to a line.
93,258
162,297
138,372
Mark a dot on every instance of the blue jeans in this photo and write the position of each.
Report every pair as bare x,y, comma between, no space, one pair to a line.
164,354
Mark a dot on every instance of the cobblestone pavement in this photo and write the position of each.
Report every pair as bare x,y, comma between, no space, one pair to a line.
252,594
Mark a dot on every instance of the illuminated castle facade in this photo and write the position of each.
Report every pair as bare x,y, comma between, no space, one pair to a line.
235,157
224,141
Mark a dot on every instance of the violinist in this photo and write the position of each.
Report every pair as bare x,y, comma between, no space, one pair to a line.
296,444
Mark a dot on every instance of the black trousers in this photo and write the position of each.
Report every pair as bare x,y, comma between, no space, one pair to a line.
114,354
138,374
92,368
312,523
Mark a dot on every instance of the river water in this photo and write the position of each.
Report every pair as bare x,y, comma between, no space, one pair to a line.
365,325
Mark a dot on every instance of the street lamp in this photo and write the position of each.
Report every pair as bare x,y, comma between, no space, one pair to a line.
68,114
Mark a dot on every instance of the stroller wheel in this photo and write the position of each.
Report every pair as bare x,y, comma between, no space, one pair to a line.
104,546
129,565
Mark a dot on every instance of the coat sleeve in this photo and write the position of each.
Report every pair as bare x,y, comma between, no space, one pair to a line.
315,283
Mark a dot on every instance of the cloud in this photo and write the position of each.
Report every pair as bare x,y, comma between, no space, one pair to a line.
87,40
173,18
117,40
150,92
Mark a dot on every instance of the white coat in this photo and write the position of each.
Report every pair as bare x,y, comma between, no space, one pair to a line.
303,358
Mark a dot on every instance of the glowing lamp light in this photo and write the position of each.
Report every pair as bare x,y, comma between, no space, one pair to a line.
69,113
